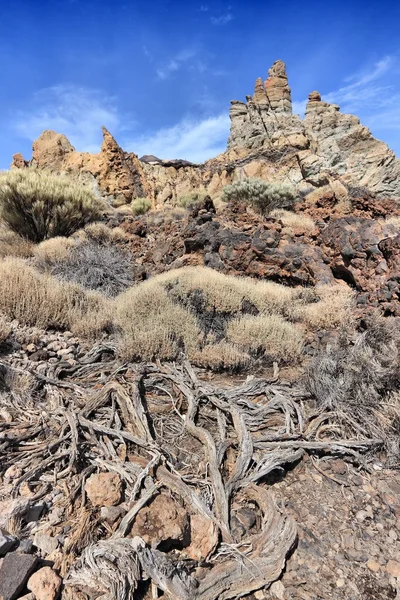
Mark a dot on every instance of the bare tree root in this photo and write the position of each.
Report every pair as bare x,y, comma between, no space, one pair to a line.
161,427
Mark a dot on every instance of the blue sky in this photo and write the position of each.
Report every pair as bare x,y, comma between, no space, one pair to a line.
159,75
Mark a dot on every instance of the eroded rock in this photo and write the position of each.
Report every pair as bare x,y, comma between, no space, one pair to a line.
104,489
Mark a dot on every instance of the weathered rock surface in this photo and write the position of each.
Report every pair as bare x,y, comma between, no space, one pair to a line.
104,489
163,522
14,572
45,584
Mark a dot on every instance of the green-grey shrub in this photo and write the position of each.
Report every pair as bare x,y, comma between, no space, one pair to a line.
140,206
191,198
39,205
264,196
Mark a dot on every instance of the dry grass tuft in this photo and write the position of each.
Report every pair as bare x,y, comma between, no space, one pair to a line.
221,357
333,306
152,324
56,249
102,234
12,244
293,220
40,300
266,335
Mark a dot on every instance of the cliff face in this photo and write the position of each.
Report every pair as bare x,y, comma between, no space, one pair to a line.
266,140
328,142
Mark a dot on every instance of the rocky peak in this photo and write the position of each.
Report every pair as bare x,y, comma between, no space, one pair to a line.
278,90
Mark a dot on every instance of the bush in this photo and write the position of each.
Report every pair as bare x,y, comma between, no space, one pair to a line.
54,250
39,205
191,198
95,267
262,195
12,244
356,376
140,206
40,300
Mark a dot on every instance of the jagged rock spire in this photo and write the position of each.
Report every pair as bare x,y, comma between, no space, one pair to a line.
275,91
277,88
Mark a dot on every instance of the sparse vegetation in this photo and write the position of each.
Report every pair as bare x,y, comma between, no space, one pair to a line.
140,206
263,196
40,300
293,220
38,205
101,233
217,319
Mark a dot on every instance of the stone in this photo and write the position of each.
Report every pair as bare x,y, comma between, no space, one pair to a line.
393,568
14,573
277,590
45,543
104,489
45,584
7,542
163,523
203,538
111,514
373,565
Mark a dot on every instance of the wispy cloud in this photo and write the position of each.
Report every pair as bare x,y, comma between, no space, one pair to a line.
222,19
176,63
204,8
368,95
195,140
77,112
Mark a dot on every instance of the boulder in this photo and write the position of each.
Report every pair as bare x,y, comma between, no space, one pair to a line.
14,573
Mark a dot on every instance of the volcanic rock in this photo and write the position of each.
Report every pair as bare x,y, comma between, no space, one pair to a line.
104,489
45,584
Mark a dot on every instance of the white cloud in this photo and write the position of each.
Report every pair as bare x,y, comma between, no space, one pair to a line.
366,95
222,20
192,140
176,63
77,112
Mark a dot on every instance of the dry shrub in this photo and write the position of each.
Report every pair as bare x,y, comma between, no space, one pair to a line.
5,328
264,196
333,306
12,244
153,326
227,293
356,377
201,312
104,268
101,233
221,357
53,250
38,205
294,220
267,335
40,300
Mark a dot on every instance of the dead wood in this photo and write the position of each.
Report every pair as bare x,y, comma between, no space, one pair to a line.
162,427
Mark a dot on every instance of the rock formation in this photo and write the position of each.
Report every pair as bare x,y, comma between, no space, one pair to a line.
266,140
